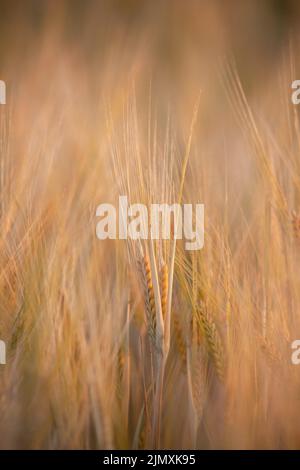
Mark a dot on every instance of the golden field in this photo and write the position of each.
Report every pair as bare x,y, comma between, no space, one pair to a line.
119,344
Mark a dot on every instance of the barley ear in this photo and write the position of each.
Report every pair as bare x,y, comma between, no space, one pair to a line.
213,341
149,298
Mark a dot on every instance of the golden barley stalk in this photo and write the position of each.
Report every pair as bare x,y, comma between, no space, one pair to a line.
149,298
179,339
120,370
213,341
164,289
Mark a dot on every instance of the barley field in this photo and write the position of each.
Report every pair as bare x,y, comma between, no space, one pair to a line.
140,344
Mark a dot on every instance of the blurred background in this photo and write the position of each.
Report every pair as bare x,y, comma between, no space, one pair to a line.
178,47
179,34
91,80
